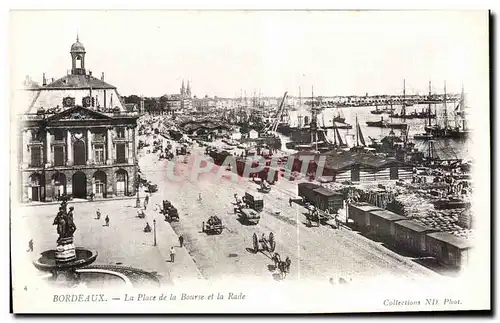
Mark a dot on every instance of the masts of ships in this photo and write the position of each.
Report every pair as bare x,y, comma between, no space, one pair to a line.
459,130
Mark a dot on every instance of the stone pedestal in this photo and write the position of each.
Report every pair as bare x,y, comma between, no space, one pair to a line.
65,250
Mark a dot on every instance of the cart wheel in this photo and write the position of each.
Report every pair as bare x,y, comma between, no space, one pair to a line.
272,243
202,226
255,243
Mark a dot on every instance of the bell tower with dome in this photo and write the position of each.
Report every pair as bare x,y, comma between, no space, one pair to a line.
77,58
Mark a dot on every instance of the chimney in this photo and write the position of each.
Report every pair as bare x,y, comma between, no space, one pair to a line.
102,76
52,80
90,73
44,80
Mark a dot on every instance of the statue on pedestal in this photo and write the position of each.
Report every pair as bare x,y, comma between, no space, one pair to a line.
65,250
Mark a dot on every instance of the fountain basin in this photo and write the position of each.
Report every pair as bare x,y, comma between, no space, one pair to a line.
47,260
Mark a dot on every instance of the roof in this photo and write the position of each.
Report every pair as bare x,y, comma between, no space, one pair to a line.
340,160
298,154
79,81
412,225
308,185
388,215
448,238
77,47
365,207
326,192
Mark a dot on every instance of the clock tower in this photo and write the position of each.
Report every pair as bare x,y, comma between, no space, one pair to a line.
77,58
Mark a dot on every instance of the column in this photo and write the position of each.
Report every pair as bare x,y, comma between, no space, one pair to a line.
69,149
134,145
48,155
130,146
24,148
109,146
89,147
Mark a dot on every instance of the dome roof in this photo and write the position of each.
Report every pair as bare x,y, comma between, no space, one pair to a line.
77,47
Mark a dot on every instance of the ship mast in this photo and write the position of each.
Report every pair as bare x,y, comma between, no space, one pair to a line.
357,131
429,110
445,108
462,109
403,108
314,133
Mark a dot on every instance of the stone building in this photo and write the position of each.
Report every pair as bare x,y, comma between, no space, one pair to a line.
76,137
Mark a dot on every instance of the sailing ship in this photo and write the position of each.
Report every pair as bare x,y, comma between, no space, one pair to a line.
377,110
427,135
339,117
384,124
460,130
310,136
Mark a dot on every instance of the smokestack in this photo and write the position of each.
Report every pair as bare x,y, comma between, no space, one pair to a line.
102,76
52,80
44,80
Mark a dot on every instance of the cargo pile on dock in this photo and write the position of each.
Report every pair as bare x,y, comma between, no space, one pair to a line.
411,205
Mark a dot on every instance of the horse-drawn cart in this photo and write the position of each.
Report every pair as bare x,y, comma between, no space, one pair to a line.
264,187
247,215
264,244
213,225
315,217
170,212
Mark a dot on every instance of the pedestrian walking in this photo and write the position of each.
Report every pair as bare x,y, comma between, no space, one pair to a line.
172,254
290,201
181,240
98,214
107,221
199,196
30,246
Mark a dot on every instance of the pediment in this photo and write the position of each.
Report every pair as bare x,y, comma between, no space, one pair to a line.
78,113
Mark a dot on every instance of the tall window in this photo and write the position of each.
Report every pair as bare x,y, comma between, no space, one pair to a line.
120,132
58,156
79,154
99,154
36,156
99,186
120,153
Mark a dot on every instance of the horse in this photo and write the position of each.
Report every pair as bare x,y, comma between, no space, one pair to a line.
282,266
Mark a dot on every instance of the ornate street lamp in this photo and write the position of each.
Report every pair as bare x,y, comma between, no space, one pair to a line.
154,232
138,200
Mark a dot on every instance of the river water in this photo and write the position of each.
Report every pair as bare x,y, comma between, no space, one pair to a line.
445,148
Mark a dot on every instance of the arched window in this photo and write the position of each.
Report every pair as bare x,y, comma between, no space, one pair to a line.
78,61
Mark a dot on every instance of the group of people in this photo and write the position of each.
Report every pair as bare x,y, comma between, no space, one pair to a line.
172,249
106,219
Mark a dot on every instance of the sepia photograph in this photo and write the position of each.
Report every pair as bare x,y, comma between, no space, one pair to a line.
249,161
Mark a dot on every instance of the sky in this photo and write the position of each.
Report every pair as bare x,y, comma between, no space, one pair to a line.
225,53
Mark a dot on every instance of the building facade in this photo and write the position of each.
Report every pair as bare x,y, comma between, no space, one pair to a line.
76,138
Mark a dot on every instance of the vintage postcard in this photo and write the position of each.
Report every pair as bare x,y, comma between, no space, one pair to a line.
204,161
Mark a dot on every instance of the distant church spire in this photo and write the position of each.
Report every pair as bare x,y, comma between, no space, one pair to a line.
188,90
183,89
77,38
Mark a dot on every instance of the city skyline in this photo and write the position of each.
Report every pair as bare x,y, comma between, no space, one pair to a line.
227,53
